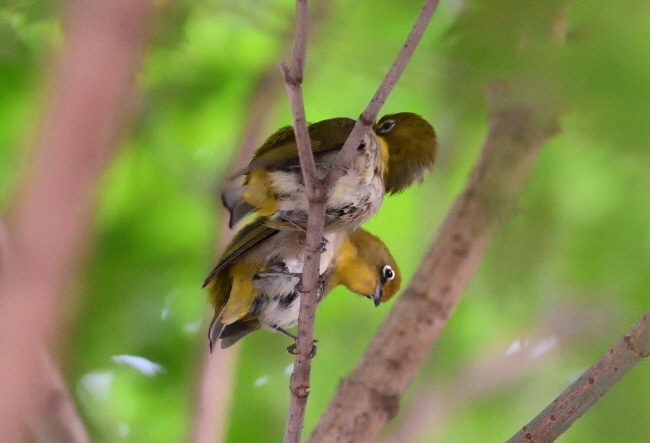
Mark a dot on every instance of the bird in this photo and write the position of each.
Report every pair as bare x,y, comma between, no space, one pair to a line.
257,280
254,282
273,182
412,147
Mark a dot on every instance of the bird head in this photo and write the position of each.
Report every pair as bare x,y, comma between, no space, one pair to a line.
365,266
412,147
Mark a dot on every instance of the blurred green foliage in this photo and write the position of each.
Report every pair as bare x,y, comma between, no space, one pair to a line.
565,277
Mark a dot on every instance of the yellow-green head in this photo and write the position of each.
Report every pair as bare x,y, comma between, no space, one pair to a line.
412,147
365,265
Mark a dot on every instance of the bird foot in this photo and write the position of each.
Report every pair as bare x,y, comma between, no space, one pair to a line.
291,349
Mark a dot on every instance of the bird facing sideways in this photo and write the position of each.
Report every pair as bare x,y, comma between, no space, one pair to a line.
273,182
256,283
412,147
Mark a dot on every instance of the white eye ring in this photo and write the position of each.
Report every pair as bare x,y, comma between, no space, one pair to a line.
387,273
386,127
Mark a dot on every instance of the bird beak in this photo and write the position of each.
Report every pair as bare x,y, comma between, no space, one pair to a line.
379,291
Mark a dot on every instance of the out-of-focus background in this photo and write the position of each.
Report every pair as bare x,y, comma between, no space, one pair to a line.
564,278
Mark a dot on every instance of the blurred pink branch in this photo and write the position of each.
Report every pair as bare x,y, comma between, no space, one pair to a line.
214,388
56,418
633,347
215,391
5,253
50,218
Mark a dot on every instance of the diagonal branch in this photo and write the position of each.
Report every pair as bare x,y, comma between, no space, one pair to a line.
494,370
370,395
583,393
367,118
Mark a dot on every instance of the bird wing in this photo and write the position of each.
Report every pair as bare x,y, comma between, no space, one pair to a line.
234,332
280,149
247,238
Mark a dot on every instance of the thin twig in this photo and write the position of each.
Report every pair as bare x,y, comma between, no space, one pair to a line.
633,347
369,115
214,388
370,395
299,385
51,216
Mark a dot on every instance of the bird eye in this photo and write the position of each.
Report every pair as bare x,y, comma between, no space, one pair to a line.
386,127
387,273
362,145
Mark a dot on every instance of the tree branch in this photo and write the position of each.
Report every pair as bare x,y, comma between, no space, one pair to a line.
293,76
633,347
6,255
316,193
214,388
51,217
370,395
367,118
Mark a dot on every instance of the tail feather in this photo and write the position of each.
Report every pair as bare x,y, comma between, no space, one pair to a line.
215,330
233,200
236,331
230,197
229,334
239,212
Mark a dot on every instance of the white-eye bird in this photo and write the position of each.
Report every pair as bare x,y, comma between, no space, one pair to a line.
256,283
